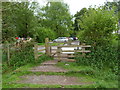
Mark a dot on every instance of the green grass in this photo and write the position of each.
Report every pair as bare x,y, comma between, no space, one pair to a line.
115,43
10,79
40,53
73,67
103,78
56,44
41,44
14,85
52,44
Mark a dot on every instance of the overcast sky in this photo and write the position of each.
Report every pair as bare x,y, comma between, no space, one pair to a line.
77,5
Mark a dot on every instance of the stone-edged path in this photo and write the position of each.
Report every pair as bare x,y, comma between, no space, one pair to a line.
49,66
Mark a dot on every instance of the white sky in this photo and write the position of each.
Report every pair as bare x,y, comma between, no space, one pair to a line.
77,5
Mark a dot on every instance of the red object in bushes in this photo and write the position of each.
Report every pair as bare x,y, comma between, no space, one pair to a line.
16,37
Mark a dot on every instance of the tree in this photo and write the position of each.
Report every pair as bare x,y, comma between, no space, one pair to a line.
42,33
25,20
8,27
18,19
113,5
98,26
77,18
56,16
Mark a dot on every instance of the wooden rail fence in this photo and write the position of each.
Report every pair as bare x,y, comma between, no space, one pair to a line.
58,53
8,49
61,53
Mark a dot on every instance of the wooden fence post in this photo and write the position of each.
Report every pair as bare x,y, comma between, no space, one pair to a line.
8,53
83,49
69,42
35,51
59,53
50,50
47,49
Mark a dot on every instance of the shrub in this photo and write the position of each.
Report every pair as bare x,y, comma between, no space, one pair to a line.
101,58
43,33
97,25
22,56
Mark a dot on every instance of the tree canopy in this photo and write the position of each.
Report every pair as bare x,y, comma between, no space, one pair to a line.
57,17
78,17
18,19
25,19
98,26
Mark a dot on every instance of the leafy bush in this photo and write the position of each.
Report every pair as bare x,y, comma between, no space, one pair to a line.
22,56
42,33
101,58
97,25
43,58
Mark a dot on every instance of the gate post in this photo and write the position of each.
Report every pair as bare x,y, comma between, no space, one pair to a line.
47,49
83,49
8,53
69,42
59,53
35,51
50,47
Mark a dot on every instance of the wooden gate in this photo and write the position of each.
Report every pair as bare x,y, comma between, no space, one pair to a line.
59,53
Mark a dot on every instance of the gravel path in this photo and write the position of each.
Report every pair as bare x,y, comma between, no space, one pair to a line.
48,68
53,80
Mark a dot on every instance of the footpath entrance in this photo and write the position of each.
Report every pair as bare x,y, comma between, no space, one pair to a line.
50,73
62,52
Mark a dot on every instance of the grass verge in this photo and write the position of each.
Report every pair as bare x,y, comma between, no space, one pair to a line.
102,78
10,79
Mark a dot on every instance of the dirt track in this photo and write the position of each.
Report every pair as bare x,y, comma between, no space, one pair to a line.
53,80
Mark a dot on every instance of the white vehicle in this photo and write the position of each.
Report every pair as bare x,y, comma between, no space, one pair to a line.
71,38
61,39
